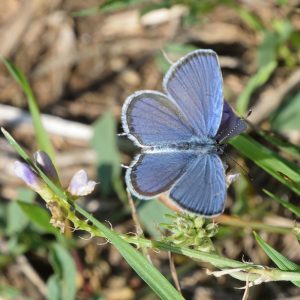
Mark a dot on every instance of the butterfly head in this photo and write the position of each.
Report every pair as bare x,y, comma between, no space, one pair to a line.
219,148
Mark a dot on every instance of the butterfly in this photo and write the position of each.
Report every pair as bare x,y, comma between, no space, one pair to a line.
181,134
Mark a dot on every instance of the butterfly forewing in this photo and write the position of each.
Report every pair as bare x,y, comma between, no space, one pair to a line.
195,84
150,119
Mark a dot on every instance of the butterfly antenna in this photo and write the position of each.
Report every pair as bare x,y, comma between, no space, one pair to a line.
167,58
245,172
248,114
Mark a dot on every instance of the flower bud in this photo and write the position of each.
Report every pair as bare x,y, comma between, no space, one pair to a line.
24,171
211,229
44,162
199,222
80,185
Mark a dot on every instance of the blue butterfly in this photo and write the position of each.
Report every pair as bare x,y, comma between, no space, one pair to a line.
181,135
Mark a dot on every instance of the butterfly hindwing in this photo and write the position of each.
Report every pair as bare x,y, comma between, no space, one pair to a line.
154,173
202,188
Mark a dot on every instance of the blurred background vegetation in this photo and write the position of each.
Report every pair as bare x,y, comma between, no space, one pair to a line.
82,59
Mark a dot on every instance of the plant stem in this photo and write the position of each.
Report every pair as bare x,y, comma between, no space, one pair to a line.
239,270
254,225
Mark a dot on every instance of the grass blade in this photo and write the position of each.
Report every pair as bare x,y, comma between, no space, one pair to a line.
291,207
64,265
256,81
282,144
282,262
286,116
278,167
42,136
108,157
107,6
15,145
160,285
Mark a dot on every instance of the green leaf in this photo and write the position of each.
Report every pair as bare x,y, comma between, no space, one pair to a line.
53,288
282,2
280,142
268,50
241,201
107,6
249,18
275,43
10,293
278,167
282,262
86,12
26,194
152,213
291,207
113,5
16,146
259,79
172,50
295,40
104,142
42,136
38,216
16,219
284,29
65,269
160,285
286,117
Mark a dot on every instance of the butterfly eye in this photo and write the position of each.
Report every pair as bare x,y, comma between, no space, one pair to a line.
220,150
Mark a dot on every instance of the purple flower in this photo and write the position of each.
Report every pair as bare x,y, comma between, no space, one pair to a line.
44,162
80,185
25,172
